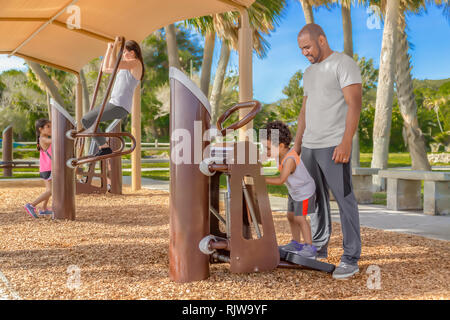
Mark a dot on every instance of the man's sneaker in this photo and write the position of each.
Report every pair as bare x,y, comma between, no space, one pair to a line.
345,270
30,210
290,247
308,251
45,212
103,151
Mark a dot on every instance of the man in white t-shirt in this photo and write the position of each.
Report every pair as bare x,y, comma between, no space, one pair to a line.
326,125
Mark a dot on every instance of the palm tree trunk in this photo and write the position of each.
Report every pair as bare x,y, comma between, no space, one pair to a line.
307,10
172,47
49,107
48,83
218,80
385,92
348,49
86,101
86,105
407,102
208,53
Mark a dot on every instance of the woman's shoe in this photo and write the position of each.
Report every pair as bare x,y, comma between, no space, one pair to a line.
30,210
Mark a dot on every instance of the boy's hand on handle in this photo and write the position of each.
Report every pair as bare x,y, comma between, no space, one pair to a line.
342,152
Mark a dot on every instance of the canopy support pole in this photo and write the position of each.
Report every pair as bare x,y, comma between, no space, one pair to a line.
79,103
245,71
63,178
136,132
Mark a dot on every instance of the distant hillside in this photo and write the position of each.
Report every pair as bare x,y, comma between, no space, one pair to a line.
434,84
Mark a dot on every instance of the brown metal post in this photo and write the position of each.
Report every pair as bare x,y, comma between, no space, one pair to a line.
7,147
63,178
189,188
115,165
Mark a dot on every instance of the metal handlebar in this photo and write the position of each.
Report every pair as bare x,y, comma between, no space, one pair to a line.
256,105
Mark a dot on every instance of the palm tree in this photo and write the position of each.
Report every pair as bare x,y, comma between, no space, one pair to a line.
385,90
50,86
435,102
205,26
172,48
263,16
406,99
307,10
407,104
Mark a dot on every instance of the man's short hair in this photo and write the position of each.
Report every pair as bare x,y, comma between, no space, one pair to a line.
314,31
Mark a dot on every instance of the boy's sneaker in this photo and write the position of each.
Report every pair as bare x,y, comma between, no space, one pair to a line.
308,251
30,210
45,212
345,270
290,247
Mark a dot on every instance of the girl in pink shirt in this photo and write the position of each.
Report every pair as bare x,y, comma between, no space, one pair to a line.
44,145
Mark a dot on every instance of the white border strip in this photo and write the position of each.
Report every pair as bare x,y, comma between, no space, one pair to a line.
13,293
188,83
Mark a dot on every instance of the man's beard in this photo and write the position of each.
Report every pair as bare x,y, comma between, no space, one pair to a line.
319,54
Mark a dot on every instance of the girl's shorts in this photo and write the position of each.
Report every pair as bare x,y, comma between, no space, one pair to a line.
302,208
46,175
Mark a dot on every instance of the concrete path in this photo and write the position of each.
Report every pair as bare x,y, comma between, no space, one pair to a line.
372,216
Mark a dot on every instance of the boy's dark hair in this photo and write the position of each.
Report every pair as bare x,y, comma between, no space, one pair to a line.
40,124
284,134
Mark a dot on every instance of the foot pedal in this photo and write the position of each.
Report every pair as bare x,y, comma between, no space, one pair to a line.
283,253
307,262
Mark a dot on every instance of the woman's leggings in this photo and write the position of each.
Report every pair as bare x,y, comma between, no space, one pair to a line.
111,112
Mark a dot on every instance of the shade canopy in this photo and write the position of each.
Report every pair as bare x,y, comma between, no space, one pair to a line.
67,34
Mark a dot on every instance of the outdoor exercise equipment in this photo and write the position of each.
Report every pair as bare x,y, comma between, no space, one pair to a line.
109,168
247,240
92,131
64,140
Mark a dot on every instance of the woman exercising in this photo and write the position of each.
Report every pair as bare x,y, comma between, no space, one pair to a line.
131,72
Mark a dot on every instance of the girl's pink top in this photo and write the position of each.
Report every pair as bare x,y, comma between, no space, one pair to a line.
45,162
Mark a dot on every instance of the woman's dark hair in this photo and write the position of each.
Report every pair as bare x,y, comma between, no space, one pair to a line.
132,45
40,124
284,134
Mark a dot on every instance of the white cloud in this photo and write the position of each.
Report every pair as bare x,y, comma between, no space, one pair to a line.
11,63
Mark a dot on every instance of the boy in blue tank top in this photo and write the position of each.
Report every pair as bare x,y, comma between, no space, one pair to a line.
301,187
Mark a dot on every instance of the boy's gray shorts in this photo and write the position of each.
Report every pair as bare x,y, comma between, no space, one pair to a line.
302,208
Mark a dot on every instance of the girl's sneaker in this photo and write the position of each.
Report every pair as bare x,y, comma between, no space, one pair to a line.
30,210
308,251
45,212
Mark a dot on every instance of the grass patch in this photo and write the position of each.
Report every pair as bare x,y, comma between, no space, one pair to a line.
157,175
380,198
394,160
22,175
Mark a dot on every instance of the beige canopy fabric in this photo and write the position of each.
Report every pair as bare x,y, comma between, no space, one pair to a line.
38,29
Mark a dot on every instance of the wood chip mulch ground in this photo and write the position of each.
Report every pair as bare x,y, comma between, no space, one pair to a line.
118,249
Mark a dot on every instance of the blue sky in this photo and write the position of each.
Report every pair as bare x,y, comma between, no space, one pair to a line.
429,33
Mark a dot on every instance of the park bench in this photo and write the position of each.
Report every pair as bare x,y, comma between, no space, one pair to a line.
404,190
